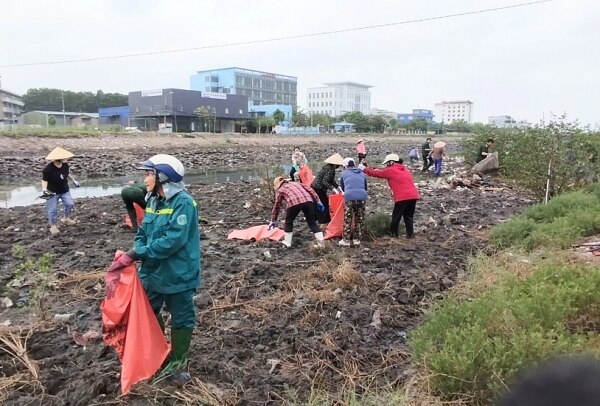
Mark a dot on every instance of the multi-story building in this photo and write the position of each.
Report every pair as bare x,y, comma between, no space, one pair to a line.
502,121
335,99
405,118
11,107
385,113
271,90
456,110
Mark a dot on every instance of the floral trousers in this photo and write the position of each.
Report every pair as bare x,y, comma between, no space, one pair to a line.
354,213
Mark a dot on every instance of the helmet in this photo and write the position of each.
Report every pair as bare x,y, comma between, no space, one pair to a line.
168,165
391,157
347,161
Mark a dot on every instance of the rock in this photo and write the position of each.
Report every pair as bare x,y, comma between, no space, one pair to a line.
6,323
447,220
6,302
267,254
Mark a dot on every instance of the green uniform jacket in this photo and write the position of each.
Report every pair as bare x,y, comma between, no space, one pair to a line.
168,242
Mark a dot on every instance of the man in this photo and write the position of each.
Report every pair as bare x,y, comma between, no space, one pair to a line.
485,150
134,192
168,244
425,151
298,198
354,184
404,191
55,187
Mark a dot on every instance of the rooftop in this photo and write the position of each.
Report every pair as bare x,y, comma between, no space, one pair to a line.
356,84
66,113
249,71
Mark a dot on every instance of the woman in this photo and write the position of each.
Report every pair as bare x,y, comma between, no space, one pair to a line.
298,161
55,187
325,181
354,184
438,154
361,150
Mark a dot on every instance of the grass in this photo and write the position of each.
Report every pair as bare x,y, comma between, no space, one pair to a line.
378,225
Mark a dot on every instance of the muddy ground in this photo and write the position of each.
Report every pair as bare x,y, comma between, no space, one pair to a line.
273,323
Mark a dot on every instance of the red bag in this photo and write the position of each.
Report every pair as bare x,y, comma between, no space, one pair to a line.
335,228
139,214
306,175
131,328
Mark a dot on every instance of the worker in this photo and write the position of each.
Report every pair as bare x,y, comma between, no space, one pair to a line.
168,246
298,161
325,181
361,150
134,192
297,198
404,192
353,183
55,187
438,154
485,150
425,154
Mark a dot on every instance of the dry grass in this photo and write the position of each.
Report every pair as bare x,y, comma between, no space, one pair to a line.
82,285
14,343
193,393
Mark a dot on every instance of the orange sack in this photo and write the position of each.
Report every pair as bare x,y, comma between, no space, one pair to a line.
131,328
139,214
335,228
257,233
306,175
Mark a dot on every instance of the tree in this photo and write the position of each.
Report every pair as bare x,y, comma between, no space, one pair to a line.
419,124
300,119
278,116
88,102
51,120
204,116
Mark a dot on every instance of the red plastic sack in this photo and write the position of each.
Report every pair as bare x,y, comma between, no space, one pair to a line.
257,233
335,228
306,175
131,328
139,214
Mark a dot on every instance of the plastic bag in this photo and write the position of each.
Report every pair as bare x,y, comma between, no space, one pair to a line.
131,328
257,233
489,164
139,214
335,228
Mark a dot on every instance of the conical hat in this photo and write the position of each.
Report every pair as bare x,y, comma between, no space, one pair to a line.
439,144
59,153
278,181
335,159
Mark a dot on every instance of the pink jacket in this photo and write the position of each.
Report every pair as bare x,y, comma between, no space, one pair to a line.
361,148
400,180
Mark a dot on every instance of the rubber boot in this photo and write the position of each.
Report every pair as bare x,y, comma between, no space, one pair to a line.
287,239
320,240
133,218
175,369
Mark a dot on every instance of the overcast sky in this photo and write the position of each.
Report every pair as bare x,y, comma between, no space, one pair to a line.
524,62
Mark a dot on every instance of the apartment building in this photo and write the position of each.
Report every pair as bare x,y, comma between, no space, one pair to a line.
456,110
337,98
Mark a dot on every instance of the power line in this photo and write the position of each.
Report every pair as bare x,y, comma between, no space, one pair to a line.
286,38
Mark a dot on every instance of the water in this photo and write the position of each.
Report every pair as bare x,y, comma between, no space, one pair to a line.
27,195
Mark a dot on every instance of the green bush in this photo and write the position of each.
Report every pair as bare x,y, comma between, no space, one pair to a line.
557,224
378,225
473,346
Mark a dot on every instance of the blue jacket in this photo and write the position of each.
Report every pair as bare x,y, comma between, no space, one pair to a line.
354,184
168,242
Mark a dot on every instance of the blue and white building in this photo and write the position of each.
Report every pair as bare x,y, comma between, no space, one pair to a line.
417,114
266,92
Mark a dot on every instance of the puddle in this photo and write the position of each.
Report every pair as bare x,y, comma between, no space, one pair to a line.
27,195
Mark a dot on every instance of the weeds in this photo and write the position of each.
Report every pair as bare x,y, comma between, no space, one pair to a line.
378,225
15,345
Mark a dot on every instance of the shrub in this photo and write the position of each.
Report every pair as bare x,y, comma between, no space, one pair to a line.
474,346
378,225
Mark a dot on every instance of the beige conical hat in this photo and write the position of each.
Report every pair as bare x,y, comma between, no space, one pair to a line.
439,144
335,159
59,153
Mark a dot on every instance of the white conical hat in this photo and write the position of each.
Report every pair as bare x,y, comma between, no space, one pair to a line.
439,144
59,153
335,159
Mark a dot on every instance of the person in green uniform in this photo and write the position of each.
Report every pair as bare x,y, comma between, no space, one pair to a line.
425,151
485,150
134,192
168,246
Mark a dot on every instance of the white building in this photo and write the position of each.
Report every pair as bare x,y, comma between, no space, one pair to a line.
502,121
335,99
385,113
456,110
11,107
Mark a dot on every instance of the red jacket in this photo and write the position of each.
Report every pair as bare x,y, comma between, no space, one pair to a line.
400,180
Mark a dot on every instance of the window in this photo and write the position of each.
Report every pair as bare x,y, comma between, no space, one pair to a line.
226,110
241,111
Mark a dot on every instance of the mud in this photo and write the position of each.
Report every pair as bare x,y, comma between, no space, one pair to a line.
270,326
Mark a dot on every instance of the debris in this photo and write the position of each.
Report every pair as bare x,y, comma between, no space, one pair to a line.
247,205
63,318
6,302
6,323
274,364
84,339
338,314
267,254
376,323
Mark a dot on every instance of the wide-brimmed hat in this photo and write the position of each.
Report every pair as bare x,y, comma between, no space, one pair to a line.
59,153
347,161
439,144
391,157
278,181
359,141
335,159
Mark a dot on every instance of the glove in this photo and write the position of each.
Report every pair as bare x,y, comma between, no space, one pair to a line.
321,207
272,225
76,183
361,166
113,274
339,189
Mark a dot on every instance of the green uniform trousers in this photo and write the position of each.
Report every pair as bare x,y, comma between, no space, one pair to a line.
180,305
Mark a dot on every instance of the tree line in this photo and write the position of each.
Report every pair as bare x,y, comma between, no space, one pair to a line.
85,102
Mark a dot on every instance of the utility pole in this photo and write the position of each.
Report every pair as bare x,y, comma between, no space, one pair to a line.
62,96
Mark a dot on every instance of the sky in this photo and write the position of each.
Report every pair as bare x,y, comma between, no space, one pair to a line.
530,62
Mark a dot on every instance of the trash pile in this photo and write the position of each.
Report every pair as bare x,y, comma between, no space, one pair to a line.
589,249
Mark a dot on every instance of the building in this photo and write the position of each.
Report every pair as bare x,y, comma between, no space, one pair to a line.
507,122
335,99
170,110
450,111
114,116
11,107
384,113
266,92
40,118
417,114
